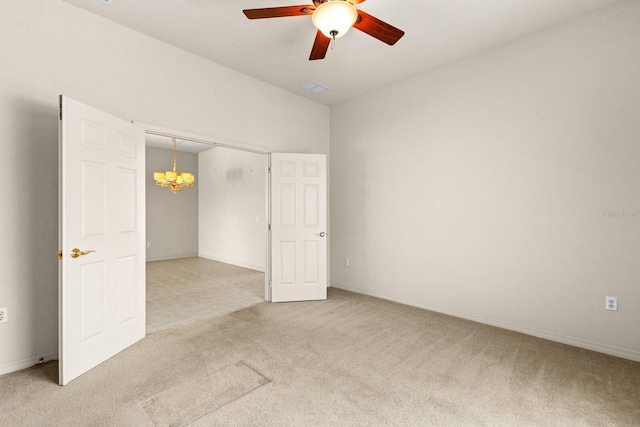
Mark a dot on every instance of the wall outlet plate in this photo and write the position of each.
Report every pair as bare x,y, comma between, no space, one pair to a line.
611,303
3,314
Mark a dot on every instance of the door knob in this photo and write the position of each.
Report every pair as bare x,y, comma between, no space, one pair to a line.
75,252
321,234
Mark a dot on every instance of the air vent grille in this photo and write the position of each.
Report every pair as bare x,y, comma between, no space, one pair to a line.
314,87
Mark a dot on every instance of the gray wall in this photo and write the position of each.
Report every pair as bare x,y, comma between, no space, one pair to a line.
233,207
504,187
172,218
51,47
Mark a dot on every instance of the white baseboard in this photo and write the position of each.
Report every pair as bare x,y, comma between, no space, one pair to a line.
233,262
27,363
175,257
551,336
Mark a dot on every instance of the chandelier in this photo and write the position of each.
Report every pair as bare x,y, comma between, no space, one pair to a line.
171,179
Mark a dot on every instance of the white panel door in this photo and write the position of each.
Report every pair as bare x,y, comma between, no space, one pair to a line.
102,231
298,227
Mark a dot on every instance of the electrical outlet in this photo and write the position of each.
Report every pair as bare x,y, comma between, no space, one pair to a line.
346,262
3,315
611,303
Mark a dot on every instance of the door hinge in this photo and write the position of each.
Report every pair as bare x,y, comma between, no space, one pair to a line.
269,227
269,285
269,169
59,253
60,107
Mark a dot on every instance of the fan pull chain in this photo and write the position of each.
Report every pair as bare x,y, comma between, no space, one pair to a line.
333,33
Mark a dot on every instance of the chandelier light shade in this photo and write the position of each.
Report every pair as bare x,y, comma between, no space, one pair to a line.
171,179
334,18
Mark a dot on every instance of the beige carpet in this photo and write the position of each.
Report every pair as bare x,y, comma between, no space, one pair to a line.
349,361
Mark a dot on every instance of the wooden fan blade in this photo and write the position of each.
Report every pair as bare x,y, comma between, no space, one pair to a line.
377,28
279,12
320,46
355,1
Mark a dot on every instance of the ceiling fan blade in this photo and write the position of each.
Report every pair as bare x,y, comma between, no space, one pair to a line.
320,46
377,28
355,1
278,12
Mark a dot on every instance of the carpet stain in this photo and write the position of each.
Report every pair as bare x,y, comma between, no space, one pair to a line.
187,402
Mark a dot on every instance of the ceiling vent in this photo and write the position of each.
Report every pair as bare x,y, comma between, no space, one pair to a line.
314,87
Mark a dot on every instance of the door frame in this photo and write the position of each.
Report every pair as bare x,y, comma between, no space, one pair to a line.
235,145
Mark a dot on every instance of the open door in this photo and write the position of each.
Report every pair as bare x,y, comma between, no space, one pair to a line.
298,227
101,237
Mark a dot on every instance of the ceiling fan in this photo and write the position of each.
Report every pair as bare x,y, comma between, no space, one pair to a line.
332,18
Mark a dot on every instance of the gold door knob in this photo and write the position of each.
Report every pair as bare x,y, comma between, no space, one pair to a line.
75,252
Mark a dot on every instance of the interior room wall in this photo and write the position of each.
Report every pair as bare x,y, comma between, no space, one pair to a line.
503,188
172,218
232,217
52,48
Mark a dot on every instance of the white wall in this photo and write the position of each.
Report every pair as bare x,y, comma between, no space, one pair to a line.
232,207
503,188
50,48
172,218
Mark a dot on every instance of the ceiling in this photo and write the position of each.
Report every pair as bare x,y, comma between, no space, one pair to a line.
277,50
160,141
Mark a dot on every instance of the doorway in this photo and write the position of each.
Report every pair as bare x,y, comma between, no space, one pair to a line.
101,284
206,245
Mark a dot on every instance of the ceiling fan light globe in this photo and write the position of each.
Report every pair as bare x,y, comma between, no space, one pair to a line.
334,18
